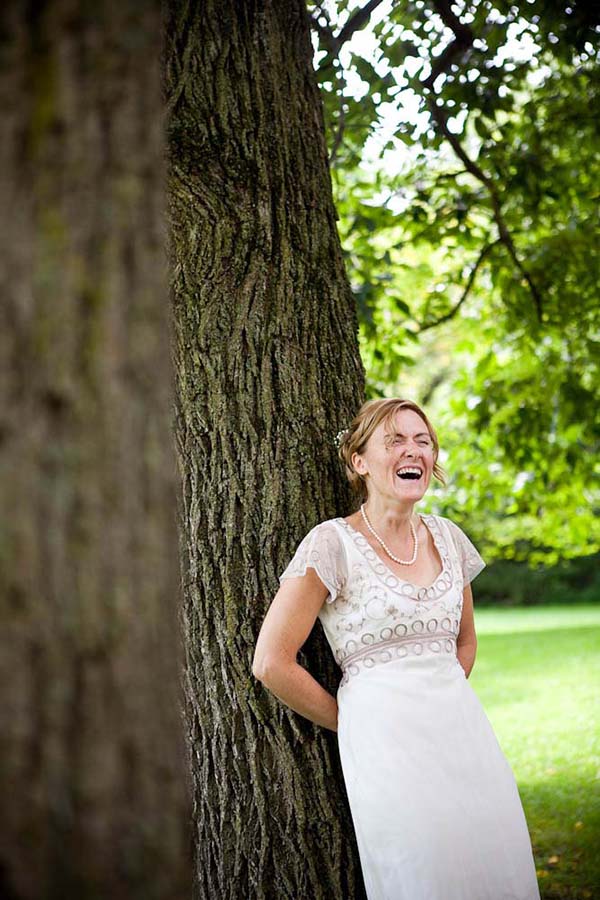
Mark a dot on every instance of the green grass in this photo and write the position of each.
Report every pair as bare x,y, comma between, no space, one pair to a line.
537,674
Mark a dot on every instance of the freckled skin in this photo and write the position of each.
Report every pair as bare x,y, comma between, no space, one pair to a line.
391,501
390,506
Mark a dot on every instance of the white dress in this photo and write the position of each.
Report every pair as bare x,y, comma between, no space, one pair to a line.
434,802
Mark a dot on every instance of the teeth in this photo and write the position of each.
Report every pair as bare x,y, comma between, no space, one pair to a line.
414,469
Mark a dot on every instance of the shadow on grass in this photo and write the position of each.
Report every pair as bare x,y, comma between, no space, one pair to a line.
564,823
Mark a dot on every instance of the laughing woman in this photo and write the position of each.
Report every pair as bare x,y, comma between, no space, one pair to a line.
434,802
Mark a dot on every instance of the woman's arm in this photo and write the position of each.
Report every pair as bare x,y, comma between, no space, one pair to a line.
466,645
287,624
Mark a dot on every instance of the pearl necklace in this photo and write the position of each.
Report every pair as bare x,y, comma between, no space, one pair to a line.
403,562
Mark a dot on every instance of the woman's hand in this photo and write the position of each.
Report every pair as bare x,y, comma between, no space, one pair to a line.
466,644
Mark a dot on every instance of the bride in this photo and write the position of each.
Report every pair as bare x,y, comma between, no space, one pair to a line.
434,802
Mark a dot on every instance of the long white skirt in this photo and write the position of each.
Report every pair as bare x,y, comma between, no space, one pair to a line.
435,805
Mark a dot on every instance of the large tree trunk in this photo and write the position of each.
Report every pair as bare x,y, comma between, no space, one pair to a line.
93,789
268,371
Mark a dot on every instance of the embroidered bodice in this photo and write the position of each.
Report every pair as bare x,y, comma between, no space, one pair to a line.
371,615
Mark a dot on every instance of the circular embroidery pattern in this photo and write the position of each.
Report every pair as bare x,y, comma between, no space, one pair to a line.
442,583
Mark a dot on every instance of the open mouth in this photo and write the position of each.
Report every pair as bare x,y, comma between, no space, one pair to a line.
410,473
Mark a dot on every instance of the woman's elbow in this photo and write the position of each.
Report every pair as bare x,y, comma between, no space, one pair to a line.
269,668
262,666
258,668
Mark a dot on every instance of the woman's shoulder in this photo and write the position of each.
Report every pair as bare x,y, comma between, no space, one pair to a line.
462,542
338,527
444,521
326,526
333,534
448,523
326,533
452,532
327,522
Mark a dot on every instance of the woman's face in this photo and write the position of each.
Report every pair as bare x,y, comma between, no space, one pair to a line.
407,444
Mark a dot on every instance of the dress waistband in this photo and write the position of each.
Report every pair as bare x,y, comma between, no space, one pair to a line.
442,638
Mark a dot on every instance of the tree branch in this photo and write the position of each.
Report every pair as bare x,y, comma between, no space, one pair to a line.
335,42
360,18
324,32
441,118
449,315
339,134
463,40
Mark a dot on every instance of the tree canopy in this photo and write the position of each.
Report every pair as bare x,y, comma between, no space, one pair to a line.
463,142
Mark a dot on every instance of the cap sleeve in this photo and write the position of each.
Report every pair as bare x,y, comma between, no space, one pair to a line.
470,560
321,549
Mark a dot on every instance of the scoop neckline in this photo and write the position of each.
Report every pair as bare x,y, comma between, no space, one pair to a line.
373,557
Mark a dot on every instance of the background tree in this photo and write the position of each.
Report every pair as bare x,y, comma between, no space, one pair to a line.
268,371
93,786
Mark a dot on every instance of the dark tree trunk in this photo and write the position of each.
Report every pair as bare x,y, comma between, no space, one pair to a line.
268,370
93,790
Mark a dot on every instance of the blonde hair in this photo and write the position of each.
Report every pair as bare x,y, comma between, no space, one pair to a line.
355,438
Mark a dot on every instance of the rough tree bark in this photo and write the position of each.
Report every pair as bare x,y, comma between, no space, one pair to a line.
267,371
94,794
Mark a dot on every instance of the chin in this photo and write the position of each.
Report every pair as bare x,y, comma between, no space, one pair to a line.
413,495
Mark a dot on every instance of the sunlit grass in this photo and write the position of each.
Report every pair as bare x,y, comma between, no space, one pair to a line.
537,674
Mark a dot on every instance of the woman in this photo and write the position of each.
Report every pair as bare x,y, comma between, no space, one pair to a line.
434,802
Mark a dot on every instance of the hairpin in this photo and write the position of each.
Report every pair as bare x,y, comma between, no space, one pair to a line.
340,435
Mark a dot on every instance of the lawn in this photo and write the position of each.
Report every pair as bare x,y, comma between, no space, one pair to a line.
537,674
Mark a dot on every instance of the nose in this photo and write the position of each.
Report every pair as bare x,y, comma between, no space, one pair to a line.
410,453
